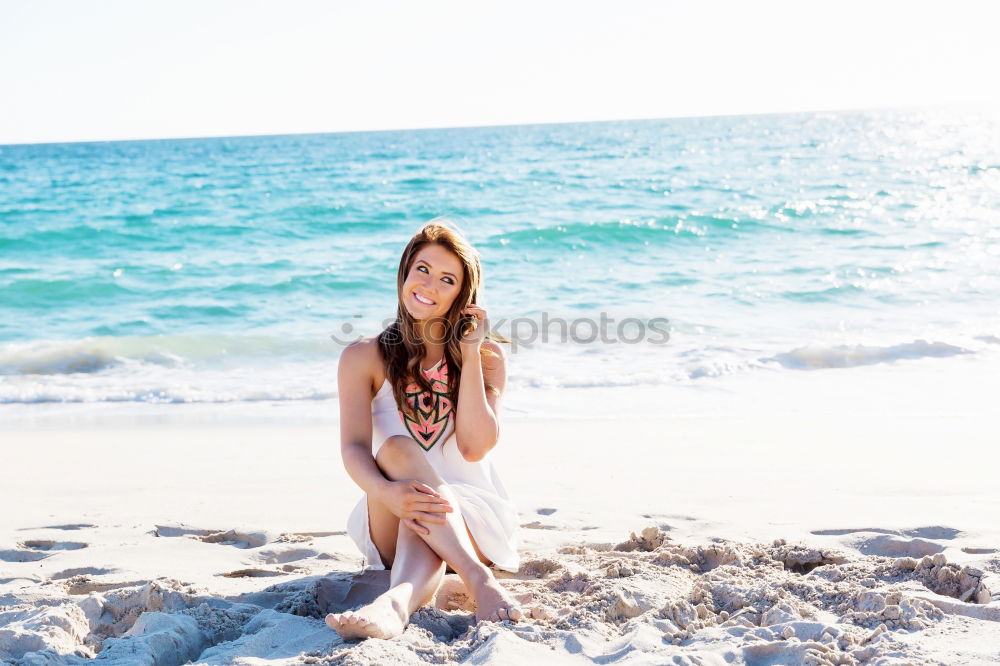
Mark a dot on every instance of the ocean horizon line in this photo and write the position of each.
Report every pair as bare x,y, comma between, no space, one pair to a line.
752,114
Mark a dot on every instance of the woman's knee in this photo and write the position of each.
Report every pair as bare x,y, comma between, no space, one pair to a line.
399,453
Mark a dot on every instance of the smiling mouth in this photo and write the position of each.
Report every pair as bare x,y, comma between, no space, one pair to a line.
421,299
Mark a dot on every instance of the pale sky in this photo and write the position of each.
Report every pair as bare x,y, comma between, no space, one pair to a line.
73,70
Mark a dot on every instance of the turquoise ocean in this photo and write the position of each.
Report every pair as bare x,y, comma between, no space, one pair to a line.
661,253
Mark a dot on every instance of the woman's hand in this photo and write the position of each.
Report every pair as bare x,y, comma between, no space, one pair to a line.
411,499
473,340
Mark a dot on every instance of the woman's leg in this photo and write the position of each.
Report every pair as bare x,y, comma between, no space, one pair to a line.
415,576
416,559
383,526
401,458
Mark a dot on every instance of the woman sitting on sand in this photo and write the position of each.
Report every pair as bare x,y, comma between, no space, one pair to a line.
419,447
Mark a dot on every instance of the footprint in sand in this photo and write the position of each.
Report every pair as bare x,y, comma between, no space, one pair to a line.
852,530
225,538
234,538
253,573
887,545
70,526
933,532
284,556
23,555
45,544
32,550
84,585
26,579
928,532
299,536
894,543
81,571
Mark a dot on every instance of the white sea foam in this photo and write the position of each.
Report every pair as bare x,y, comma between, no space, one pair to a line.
814,357
95,354
229,369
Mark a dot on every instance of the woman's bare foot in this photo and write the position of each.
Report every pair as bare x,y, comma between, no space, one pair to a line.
494,603
382,618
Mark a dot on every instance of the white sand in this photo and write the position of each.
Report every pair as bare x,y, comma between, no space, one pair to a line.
860,534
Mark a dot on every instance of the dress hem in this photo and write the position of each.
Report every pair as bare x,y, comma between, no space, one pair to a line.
358,523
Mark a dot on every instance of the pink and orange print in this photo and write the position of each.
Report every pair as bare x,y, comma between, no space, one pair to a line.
433,410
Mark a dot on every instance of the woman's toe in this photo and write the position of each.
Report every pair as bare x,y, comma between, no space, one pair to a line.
502,612
515,613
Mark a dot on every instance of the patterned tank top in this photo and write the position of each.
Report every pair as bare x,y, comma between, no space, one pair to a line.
434,414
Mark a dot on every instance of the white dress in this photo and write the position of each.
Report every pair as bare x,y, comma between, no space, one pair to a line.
487,509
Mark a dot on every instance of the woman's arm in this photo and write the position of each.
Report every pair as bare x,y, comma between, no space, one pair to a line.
407,499
477,420
354,388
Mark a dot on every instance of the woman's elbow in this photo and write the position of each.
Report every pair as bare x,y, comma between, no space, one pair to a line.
474,454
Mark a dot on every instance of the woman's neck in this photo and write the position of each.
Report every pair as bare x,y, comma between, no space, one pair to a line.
432,354
433,351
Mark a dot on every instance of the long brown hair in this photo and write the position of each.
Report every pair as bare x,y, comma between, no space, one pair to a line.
401,347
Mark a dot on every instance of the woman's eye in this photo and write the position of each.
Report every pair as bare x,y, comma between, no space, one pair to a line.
424,268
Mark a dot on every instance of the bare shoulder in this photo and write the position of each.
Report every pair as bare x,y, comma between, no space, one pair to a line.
360,351
360,359
355,394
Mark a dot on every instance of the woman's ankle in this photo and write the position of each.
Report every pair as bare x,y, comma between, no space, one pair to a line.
476,576
400,602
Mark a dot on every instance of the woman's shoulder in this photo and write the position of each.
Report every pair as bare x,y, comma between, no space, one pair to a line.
362,349
363,357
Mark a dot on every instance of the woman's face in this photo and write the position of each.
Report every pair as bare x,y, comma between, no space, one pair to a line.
433,282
